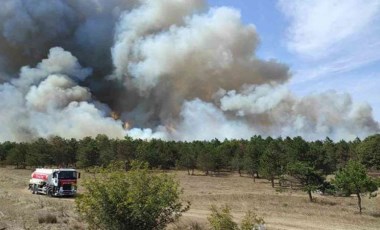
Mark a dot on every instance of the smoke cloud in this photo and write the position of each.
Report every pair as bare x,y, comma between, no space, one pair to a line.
46,100
169,69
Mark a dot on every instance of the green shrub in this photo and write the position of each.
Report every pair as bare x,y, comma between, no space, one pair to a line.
137,199
327,188
221,219
251,221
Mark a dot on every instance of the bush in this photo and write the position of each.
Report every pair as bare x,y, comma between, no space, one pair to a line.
136,199
47,218
222,220
252,222
327,188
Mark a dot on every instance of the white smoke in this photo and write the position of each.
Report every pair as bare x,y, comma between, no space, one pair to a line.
78,119
271,110
56,92
204,121
275,111
211,48
147,134
172,69
193,58
151,17
58,62
46,101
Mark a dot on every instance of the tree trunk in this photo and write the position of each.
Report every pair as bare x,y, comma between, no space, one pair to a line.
359,202
188,171
192,172
253,176
272,181
206,172
310,196
239,172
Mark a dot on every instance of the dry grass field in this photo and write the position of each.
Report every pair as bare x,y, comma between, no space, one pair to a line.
280,209
19,209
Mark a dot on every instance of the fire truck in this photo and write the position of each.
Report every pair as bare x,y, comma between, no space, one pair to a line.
54,182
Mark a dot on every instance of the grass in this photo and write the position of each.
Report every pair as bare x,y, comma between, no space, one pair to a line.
47,218
285,209
22,210
281,208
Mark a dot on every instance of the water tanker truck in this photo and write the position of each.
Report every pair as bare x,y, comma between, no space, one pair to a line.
54,182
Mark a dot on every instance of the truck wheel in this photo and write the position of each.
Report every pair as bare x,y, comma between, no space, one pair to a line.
50,193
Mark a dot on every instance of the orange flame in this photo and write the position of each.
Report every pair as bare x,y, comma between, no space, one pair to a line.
115,115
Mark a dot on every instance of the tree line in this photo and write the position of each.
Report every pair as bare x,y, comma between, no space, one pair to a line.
257,156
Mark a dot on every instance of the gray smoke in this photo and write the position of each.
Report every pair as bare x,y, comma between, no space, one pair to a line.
29,28
46,100
170,69
182,58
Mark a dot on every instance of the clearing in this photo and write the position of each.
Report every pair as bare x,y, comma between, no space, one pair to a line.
286,209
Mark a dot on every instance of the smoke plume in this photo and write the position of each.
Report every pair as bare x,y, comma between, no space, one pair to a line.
170,69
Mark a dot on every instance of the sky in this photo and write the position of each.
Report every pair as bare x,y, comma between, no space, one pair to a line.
328,44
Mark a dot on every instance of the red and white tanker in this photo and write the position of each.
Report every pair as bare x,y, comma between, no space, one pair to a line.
54,182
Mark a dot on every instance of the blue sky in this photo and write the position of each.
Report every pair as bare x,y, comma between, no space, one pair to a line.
328,44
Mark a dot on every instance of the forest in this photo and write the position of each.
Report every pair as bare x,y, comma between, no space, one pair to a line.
258,156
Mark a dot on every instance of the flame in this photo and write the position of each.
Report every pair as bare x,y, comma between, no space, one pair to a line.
115,115
170,127
126,125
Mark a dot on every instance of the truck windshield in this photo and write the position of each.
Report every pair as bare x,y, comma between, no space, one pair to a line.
67,175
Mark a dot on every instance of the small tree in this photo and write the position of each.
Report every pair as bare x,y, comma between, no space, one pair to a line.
237,163
206,161
353,179
271,162
309,178
188,159
136,199
17,155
